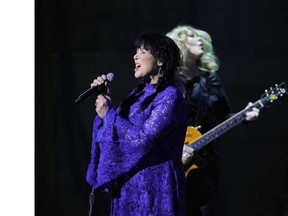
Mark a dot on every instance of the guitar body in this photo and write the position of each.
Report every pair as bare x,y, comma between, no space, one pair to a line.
192,134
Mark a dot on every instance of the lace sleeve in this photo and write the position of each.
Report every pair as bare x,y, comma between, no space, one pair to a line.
91,172
143,137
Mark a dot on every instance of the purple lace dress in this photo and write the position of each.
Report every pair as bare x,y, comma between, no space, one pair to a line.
139,158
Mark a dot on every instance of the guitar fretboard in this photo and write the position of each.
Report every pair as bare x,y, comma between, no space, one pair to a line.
223,127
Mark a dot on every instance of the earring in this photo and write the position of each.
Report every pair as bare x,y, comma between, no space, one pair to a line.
160,72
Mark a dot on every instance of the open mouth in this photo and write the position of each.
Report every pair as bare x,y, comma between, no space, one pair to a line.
137,66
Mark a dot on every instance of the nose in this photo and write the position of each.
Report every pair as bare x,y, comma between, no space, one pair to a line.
135,56
198,38
199,41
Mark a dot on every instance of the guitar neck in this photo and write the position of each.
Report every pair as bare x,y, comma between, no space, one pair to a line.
223,127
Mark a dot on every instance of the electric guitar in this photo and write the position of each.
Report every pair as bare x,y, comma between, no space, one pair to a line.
195,141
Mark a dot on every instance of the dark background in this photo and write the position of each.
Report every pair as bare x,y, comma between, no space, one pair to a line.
79,40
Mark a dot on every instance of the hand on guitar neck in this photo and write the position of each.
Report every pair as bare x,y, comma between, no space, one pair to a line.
252,113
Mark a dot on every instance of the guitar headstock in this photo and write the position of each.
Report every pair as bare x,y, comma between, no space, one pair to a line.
274,94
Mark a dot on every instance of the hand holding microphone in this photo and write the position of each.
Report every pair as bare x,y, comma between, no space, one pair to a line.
98,87
103,100
100,84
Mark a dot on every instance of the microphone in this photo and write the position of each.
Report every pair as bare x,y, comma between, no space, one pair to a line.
100,89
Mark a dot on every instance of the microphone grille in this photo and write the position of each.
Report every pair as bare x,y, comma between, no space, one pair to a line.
110,77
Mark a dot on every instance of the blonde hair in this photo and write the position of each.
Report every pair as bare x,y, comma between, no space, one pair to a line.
208,61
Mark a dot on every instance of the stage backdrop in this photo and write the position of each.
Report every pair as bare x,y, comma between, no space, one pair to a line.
78,40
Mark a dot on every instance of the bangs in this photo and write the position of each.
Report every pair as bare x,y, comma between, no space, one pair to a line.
148,42
142,43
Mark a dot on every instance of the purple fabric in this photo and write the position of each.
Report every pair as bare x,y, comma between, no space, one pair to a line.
139,158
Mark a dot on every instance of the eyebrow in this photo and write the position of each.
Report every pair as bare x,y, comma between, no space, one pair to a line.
142,48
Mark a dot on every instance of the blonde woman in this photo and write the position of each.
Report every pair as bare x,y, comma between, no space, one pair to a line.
207,106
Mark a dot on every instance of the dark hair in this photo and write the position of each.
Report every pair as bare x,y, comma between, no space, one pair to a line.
163,49
167,52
